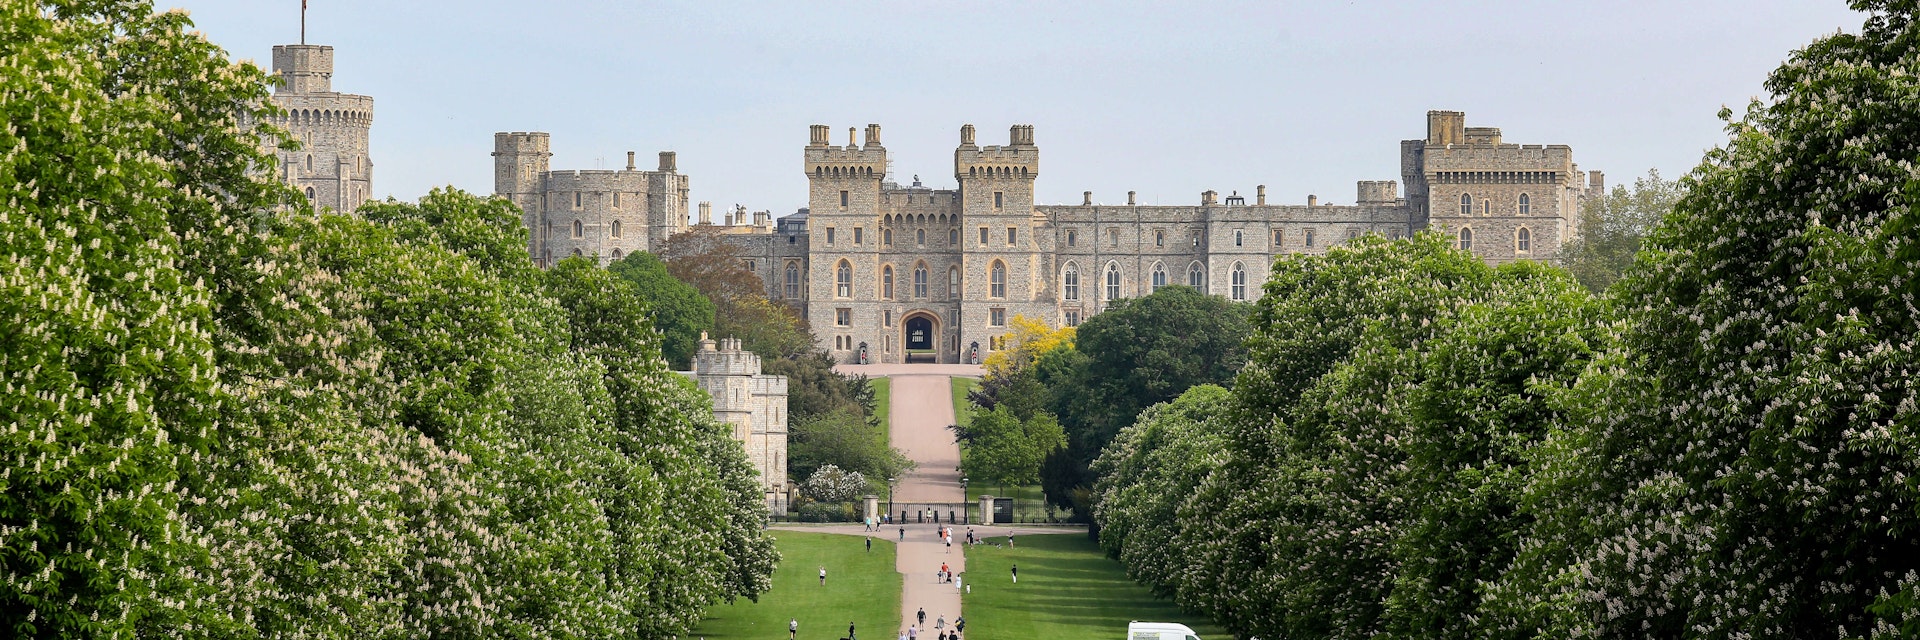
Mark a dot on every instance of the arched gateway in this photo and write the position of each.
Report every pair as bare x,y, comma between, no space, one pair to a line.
922,337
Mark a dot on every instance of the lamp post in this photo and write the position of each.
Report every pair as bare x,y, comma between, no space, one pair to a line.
890,495
963,500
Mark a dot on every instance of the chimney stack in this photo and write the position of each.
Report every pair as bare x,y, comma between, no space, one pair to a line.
1086,197
629,160
1313,200
817,136
1260,195
1129,198
668,161
706,213
966,135
873,135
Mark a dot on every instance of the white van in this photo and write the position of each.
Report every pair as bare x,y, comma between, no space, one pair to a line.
1159,631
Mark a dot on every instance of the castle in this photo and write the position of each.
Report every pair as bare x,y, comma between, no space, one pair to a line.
891,273
754,404
331,166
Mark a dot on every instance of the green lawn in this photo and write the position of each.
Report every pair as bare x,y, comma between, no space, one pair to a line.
961,407
862,588
882,403
1067,589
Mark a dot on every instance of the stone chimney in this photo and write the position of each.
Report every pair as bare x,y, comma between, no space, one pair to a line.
1260,195
629,160
1086,197
669,161
1129,198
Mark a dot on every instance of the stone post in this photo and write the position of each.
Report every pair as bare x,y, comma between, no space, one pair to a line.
986,509
872,507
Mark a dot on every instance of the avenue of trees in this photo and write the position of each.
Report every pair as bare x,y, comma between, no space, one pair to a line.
1720,444
228,416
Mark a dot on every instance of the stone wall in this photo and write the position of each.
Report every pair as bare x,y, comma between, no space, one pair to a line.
331,163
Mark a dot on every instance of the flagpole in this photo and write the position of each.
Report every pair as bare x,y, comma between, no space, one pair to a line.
303,21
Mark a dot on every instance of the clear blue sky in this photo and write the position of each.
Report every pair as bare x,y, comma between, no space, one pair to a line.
1168,99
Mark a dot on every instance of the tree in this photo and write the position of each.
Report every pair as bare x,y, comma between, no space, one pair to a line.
680,312
1026,339
846,440
1612,227
831,484
1137,353
1147,473
1005,451
1743,464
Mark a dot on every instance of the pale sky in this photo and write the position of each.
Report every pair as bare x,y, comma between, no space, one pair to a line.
1167,99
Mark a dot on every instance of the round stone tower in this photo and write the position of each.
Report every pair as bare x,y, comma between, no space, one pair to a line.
330,164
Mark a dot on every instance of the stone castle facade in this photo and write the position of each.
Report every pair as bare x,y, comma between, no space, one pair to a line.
602,213
331,165
891,273
754,404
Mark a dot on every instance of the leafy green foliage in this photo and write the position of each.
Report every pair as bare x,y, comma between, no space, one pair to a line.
680,313
1004,450
232,417
846,440
1612,228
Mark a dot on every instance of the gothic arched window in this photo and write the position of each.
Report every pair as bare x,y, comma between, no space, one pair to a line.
1197,276
579,230
1159,276
1070,283
843,280
1522,240
1238,278
998,280
953,283
1466,239
1526,205
1466,204
1113,282
793,281
614,230
886,282
920,280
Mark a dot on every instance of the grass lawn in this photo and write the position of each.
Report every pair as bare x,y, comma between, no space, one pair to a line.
861,588
1067,589
883,404
961,407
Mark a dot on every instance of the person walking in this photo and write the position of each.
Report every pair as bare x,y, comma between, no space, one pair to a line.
1016,574
793,628
903,534
922,615
869,545
823,576
849,631
913,633
940,623
960,624
956,584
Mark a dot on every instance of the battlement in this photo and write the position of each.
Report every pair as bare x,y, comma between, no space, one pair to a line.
1377,192
303,68
517,142
851,161
1018,159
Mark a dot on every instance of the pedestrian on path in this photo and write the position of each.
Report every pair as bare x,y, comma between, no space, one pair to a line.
823,576
956,584
940,623
913,633
1016,574
922,615
903,534
960,624
793,628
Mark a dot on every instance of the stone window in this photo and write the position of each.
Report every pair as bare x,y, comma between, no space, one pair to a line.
1352,234
1279,238
1239,238
616,199
576,253
1070,283
1159,276
920,237
886,237
843,317
886,317
920,280
998,280
616,254
1073,317
1466,239
843,280
859,234
579,230
829,236
1070,238
614,230
309,163
1309,239
1113,282
1113,237
1159,238
1466,204
309,193
886,282
1013,236
843,199
576,199
1526,205
793,281
1238,278
953,283
953,236
999,200
997,317
1522,240
751,265
983,236
1197,276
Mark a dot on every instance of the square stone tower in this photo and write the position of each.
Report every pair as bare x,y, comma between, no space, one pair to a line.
1503,202
755,404
1008,246
844,220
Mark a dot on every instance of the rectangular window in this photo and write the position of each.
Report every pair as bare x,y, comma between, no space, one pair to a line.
1309,239
576,200
1013,236
998,200
983,236
997,317
752,266
829,235
953,236
616,199
889,317
843,317
858,235
843,199
1279,238
1070,238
